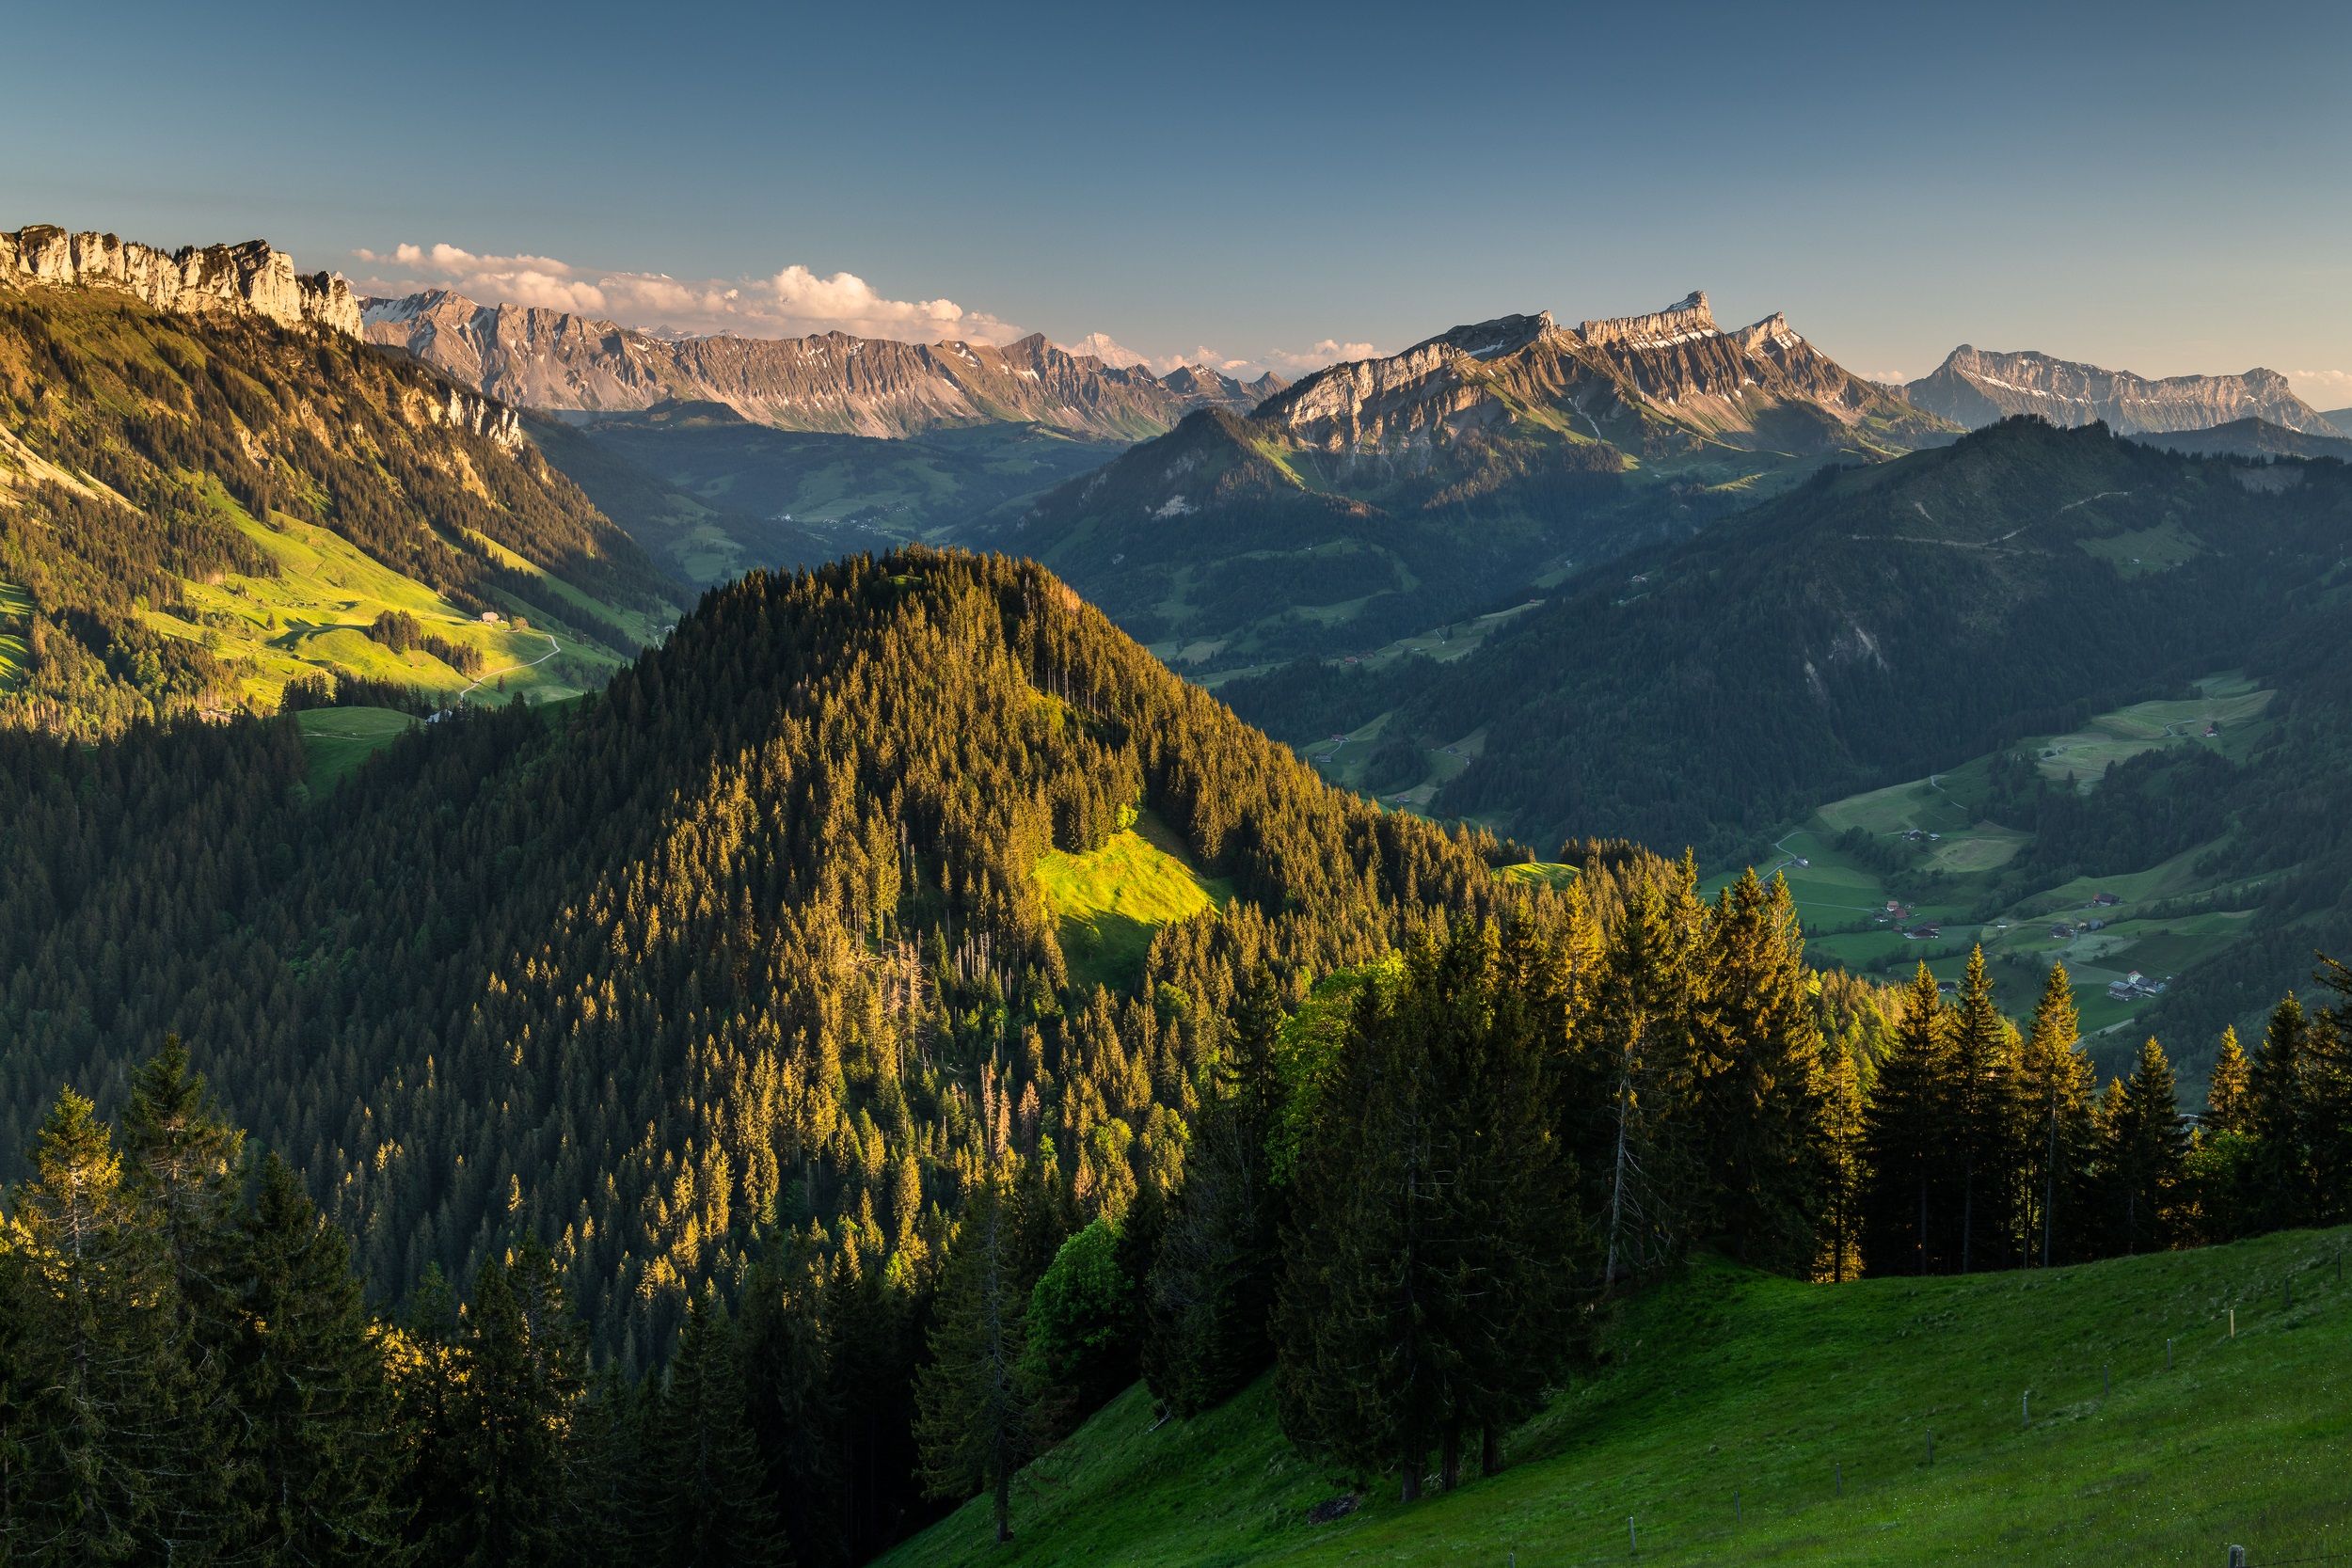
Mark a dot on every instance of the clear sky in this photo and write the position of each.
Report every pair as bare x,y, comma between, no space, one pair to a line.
2155,187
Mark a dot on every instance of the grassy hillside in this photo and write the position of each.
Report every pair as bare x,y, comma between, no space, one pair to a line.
195,512
1109,901
1747,1418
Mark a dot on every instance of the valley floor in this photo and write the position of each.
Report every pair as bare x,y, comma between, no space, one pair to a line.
1758,1420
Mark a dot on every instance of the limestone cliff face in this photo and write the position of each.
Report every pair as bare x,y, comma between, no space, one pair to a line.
248,279
1663,380
537,359
1977,387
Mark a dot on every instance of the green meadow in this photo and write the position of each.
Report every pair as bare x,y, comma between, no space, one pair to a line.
1111,901
1740,1417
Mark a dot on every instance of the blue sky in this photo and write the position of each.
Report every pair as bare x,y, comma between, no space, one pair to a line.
2153,187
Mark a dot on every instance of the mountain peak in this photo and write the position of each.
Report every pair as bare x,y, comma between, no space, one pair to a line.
1976,386
253,278
1686,318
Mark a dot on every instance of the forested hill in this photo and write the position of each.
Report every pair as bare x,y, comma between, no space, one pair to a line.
194,511
1879,623
756,934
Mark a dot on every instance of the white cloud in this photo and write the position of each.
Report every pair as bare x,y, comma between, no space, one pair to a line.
2322,388
1327,352
792,302
1108,350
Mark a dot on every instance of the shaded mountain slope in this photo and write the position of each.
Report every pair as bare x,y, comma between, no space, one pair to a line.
1386,496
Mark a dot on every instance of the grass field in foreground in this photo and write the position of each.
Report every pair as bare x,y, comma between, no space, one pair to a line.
1109,901
338,740
1727,1382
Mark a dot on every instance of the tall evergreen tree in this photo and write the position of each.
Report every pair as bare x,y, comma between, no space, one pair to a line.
102,1392
1760,1078
314,1414
974,1415
2228,1091
711,1507
2055,1135
1211,1290
1905,1224
2146,1152
523,1369
2280,1179
1982,1123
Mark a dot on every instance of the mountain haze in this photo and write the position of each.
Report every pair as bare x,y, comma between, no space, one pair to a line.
1978,386
829,382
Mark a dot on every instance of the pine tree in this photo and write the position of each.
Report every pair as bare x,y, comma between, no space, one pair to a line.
1358,1373
522,1372
1845,1146
2228,1094
181,1159
1758,1084
307,1381
100,1381
2055,1135
1211,1290
2145,1154
711,1505
975,1410
787,1356
1981,1122
2281,1178
1905,1224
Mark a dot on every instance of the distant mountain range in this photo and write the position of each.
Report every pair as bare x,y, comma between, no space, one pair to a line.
830,382
1977,387
1384,496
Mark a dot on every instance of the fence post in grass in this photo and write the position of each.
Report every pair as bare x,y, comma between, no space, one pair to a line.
1632,1537
2106,1381
1842,1478
1931,1445
2024,1408
2237,1557
1736,1515
2233,1323
2167,1355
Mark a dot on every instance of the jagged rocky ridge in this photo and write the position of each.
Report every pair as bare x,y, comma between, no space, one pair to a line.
832,382
249,279
1663,380
1978,386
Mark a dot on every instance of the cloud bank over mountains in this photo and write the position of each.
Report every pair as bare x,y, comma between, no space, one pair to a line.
792,302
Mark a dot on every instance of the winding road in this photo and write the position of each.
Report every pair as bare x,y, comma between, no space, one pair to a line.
553,648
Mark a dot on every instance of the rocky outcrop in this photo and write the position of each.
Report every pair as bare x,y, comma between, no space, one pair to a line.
551,359
1977,387
1662,379
234,279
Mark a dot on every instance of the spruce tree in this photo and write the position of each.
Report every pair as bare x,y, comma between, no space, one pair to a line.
314,1415
975,1421
711,1506
2280,1177
1358,1371
1211,1289
2146,1154
1982,1123
1906,1225
2055,1135
1760,1079
102,1379
1846,1164
2228,1092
